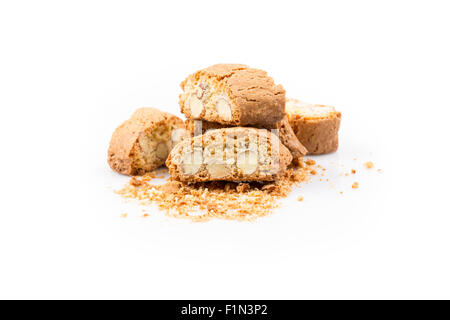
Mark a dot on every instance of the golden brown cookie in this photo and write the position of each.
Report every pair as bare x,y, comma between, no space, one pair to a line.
143,142
316,126
285,133
232,154
232,94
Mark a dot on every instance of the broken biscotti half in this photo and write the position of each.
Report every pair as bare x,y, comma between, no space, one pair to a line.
232,94
232,154
143,142
316,126
285,133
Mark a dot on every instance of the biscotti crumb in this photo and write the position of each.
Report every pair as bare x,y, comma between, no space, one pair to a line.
222,200
269,188
355,185
135,182
369,164
149,176
243,187
171,187
145,215
123,215
353,171
300,199
310,162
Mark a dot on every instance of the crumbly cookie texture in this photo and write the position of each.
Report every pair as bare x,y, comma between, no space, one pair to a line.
316,126
202,201
232,154
142,143
285,134
232,94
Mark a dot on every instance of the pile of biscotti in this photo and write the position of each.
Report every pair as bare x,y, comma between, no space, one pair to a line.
239,127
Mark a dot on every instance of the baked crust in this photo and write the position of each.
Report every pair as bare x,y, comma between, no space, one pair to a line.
290,140
316,126
125,154
285,134
216,156
253,96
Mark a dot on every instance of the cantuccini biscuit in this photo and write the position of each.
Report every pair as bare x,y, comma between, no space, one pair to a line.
232,154
285,133
316,126
143,142
232,94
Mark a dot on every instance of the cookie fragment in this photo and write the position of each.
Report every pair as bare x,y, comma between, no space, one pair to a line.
231,154
232,94
290,140
316,126
142,143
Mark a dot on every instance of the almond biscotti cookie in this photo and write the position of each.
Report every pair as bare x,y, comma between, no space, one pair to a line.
316,126
285,133
143,142
232,94
232,154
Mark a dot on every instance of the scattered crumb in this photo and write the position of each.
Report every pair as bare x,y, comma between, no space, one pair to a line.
145,215
269,188
341,192
300,198
346,174
243,187
355,185
124,215
135,182
313,172
223,200
369,164
353,171
171,187
379,170
310,162
148,176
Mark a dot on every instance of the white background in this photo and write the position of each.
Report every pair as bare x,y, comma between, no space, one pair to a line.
71,71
